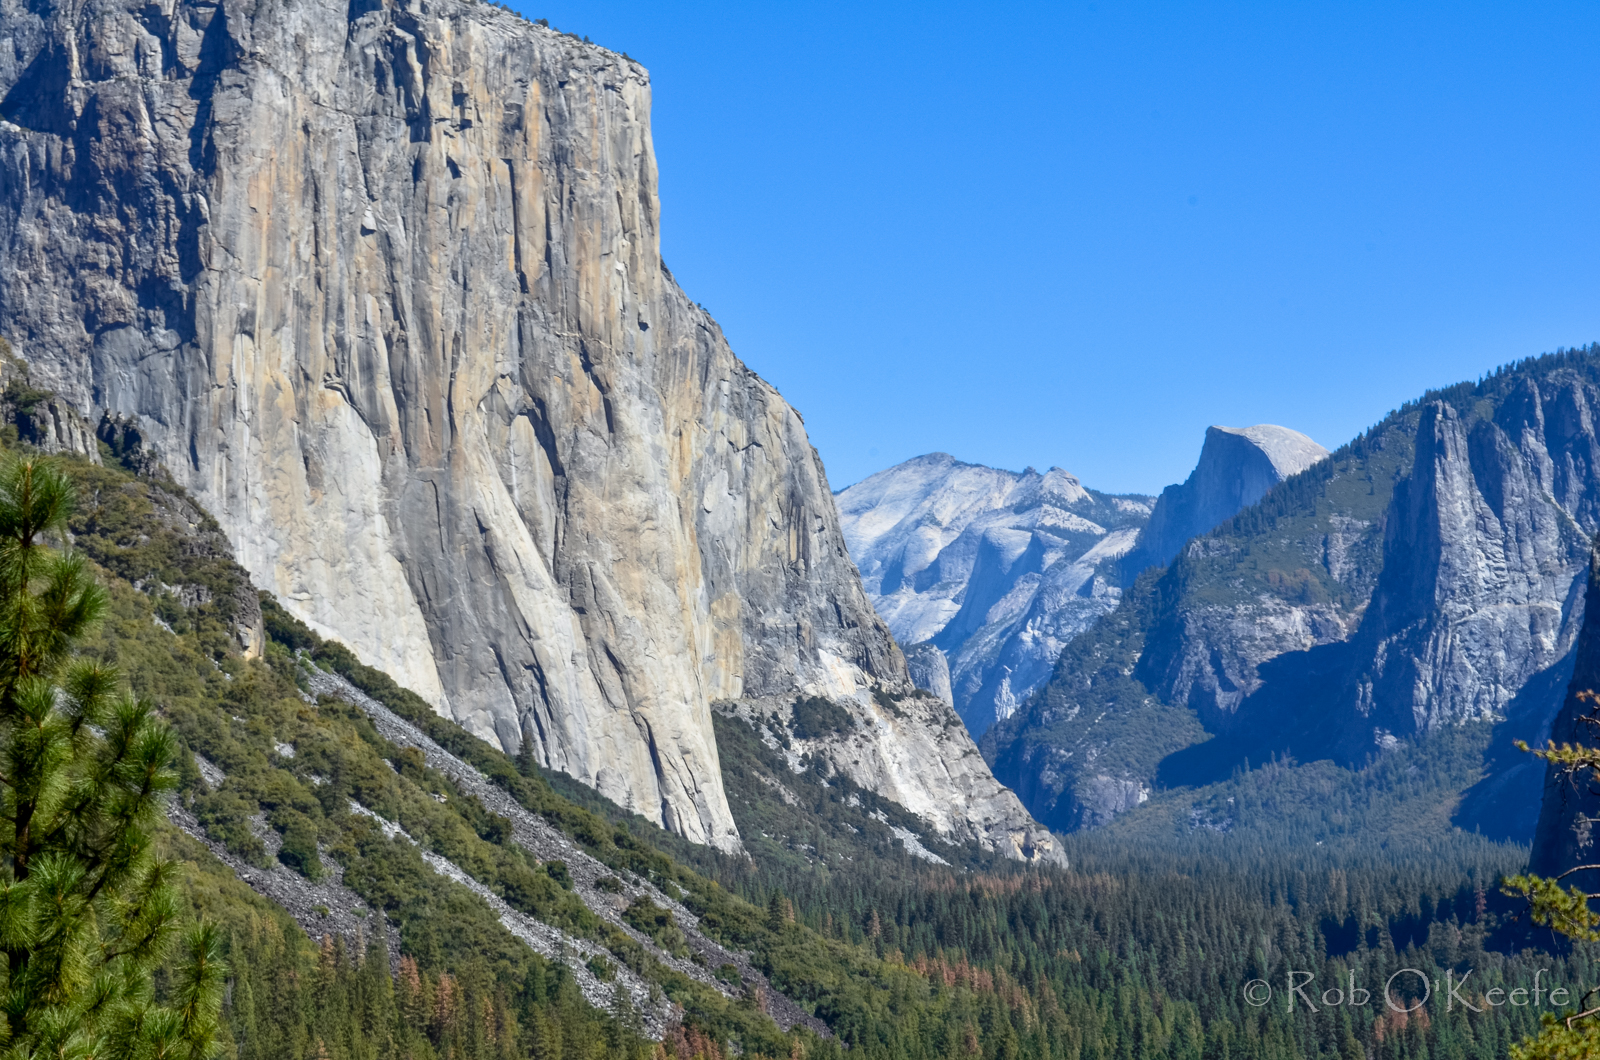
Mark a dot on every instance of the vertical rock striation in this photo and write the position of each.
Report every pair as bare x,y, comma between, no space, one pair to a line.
1473,617
1474,597
1482,583
381,283
930,671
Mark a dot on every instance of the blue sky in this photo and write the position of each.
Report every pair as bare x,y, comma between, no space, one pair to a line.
1077,234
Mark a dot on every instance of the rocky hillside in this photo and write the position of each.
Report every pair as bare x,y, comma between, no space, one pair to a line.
1425,578
318,799
1236,468
473,906
381,284
988,573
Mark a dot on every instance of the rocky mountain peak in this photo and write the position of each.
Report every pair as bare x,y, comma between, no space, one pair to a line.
1423,585
1237,466
1288,451
1058,488
991,570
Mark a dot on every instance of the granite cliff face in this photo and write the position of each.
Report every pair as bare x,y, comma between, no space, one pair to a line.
1484,556
380,283
1223,646
1428,576
1237,466
1475,613
993,570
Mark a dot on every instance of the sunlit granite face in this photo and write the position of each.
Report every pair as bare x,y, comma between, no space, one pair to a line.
382,284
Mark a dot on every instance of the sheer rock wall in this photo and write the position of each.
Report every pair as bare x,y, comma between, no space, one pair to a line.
381,283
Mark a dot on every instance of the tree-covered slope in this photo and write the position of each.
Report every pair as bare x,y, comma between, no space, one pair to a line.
834,917
1424,576
409,870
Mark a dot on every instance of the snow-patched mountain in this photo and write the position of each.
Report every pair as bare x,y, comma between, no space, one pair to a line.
1237,466
993,570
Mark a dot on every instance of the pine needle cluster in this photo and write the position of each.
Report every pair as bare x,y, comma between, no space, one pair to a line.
88,913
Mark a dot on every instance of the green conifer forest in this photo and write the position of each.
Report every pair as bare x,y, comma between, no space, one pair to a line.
1144,948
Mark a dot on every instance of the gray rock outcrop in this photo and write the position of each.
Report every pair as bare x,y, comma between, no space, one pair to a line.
1483,574
380,283
1480,594
1485,547
1237,466
42,419
930,670
995,570
1429,577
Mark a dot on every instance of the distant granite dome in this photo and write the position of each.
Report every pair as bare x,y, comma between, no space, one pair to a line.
1237,466
985,574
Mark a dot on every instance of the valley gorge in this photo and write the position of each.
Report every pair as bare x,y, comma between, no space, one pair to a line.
424,636
1423,583
985,575
1237,466
380,285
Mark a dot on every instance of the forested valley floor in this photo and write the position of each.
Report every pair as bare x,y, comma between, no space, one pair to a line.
1144,948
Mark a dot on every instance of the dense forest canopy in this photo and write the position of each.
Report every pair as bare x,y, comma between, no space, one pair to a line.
1148,946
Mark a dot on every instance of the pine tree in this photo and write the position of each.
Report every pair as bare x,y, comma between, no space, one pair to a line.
775,919
1566,908
379,1011
87,912
527,762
